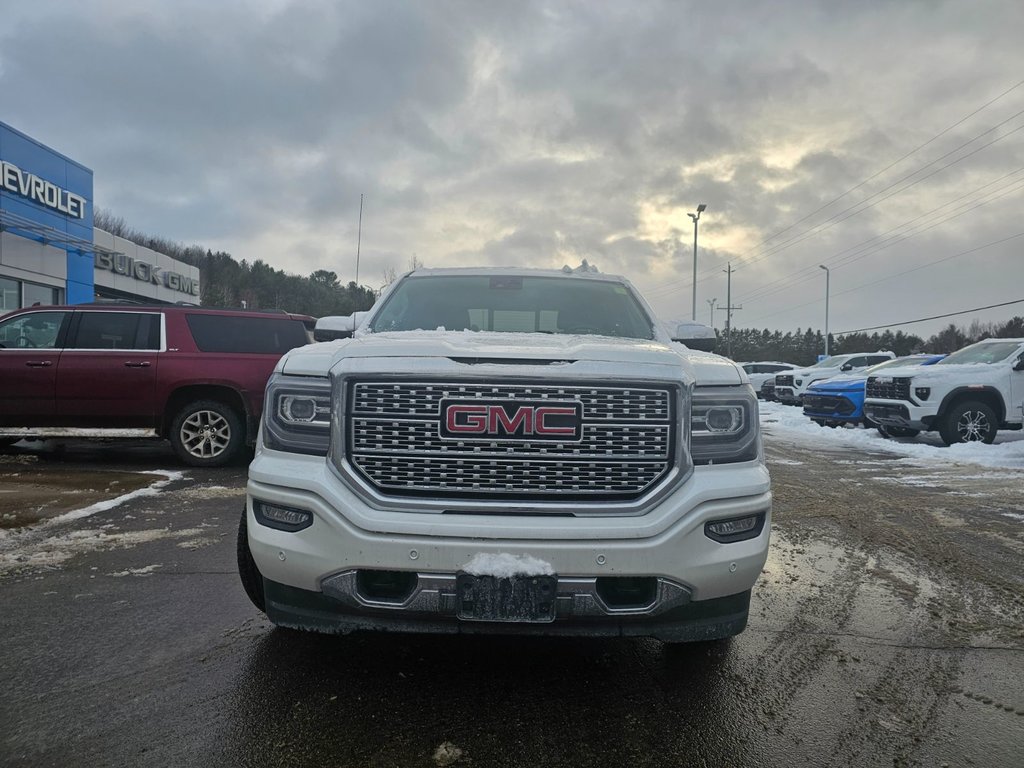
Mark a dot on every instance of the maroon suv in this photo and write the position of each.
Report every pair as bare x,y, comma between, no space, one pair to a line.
194,376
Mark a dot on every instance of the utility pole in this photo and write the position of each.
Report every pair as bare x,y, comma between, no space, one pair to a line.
828,276
728,310
359,237
696,217
711,303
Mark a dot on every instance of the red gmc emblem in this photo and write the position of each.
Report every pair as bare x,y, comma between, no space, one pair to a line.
511,419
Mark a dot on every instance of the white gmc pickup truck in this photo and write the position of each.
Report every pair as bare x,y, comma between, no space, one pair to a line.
511,450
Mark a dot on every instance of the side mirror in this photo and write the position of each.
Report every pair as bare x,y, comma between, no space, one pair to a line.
1019,365
696,336
336,327
846,367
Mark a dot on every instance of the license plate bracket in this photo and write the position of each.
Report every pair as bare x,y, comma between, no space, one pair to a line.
513,599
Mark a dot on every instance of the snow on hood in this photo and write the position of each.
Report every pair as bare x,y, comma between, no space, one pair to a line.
843,381
706,368
981,371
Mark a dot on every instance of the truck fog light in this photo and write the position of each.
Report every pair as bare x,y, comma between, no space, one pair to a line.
799,382
298,408
735,529
922,392
281,518
724,419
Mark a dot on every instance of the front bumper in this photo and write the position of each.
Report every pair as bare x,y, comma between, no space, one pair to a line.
786,395
834,406
307,570
321,612
899,413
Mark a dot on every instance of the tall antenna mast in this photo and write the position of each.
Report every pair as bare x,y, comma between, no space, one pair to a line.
359,237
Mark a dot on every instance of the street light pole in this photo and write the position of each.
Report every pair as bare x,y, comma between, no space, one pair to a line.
828,276
696,218
711,303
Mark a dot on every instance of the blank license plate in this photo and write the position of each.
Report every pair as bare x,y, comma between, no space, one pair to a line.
520,599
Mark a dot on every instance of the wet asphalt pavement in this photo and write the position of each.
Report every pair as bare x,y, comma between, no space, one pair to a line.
888,629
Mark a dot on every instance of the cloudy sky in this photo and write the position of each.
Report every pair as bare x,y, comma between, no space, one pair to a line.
882,139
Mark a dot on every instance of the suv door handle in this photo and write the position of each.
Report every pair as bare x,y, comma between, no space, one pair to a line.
134,364
39,363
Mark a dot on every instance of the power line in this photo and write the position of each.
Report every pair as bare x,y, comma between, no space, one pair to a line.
898,274
894,163
665,289
891,237
935,317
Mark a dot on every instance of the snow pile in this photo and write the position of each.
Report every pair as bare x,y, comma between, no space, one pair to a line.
505,566
102,506
148,570
788,424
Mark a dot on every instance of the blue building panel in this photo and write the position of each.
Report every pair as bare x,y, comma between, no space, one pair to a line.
33,161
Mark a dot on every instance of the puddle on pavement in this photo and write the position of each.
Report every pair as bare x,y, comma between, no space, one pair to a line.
30,494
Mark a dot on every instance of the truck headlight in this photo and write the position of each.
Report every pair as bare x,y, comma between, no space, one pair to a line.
297,414
723,425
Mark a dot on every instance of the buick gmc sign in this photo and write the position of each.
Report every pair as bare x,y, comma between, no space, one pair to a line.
120,264
44,192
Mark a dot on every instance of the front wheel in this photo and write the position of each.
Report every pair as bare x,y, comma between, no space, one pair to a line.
207,433
969,422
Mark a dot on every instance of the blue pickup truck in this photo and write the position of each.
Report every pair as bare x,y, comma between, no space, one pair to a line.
840,400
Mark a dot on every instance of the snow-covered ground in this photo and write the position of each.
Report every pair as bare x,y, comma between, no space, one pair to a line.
788,424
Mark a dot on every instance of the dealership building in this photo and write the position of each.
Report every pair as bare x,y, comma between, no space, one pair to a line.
50,253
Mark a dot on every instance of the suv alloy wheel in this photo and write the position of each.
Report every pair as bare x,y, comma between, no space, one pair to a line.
206,433
969,422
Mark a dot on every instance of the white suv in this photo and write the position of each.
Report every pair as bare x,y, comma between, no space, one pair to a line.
790,387
760,372
967,396
507,451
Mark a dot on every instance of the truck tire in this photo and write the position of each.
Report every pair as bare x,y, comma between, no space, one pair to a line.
207,433
252,580
969,421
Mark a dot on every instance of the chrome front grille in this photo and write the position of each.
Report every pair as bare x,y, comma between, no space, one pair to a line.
784,381
395,442
599,403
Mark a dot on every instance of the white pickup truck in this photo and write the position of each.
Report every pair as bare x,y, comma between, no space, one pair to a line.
507,450
967,397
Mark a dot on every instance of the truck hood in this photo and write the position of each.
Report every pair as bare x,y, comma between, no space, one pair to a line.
973,372
844,382
819,373
551,349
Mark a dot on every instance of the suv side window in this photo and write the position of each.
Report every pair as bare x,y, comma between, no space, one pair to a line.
252,335
38,330
117,330
876,359
856,362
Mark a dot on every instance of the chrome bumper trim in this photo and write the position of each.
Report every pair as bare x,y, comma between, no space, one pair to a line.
434,593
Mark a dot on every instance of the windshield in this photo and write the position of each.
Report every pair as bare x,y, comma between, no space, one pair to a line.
829,362
983,352
514,304
898,362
